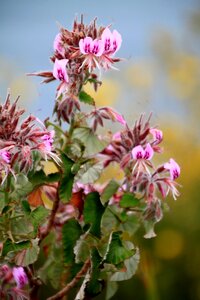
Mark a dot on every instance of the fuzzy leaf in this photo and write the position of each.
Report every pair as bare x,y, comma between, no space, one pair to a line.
40,178
83,247
9,246
109,191
92,143
71,232
89,172
21,228
86,98
66,183
28,256
39,215
129,200
94,286
92,213
116,251
131,265
22,186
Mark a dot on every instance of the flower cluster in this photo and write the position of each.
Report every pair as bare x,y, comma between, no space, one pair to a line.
134,149
77,54
19,142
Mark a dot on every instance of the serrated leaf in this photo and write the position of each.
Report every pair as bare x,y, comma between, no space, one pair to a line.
109,221
22,186
130,264
83,247
40,178
86,98
28,256
92,213
39,215
109,191
89,172
116,251
129,200
94,286
93,144
71,232
66,183
21,228
9,246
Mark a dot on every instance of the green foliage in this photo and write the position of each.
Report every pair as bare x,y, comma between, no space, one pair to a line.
90,140
129,200
71,232
94,286
66,182
93,211
109,191
86,98
116,252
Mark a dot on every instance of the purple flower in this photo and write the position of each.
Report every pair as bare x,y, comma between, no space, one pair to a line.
60,70
139,153
91,47
20,277
157,135
173,168
111,41
5,155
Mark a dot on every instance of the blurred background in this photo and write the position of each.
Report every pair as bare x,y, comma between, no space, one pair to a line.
160,73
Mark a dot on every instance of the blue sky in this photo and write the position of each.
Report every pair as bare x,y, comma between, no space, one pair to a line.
27,28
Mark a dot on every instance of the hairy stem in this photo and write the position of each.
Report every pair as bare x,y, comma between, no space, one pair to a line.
72,284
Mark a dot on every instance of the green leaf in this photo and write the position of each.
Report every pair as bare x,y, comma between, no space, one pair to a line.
109,191
66,183
129,200
71,232
86,98
39,215
92,213
83,247
28,256
22,186
93,144
131,265
116,251
89,172
21,228
94,286
39,178
111,289
109,221
9,246
2,201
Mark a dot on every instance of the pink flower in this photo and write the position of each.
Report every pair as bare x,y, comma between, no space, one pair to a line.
111,41
5,155
139,153
173,168
60,71
90,46
58,45
157,135
20,277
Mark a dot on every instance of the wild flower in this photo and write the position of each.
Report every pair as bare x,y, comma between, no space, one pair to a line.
19,142
20,277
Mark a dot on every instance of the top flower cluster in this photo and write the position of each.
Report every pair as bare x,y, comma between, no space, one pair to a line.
83,50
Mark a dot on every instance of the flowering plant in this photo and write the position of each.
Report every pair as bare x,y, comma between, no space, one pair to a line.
66,229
